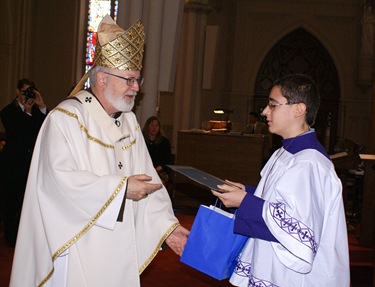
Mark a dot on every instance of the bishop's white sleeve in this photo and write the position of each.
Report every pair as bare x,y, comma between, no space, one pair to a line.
109,217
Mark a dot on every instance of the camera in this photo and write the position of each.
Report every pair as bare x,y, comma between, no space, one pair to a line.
29,93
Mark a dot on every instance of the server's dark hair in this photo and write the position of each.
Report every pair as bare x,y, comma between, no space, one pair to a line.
300,88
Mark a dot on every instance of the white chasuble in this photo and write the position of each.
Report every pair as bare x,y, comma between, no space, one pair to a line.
76,185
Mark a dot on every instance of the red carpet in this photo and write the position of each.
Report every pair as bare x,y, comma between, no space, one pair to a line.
167,271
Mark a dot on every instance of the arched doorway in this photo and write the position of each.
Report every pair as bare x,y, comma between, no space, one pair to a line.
301,52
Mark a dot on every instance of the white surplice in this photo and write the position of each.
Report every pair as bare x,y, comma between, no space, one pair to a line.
304,211
76,185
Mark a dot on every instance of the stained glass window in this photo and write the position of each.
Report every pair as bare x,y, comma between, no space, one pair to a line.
97,9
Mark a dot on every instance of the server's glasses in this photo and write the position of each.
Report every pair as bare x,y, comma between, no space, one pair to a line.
272,106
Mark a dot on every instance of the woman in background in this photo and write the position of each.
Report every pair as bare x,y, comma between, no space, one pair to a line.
158,146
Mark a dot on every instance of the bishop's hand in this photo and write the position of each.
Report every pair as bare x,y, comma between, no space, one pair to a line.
139,187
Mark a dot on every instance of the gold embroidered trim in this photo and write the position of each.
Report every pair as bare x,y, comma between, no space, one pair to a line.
148,261
85,229
84,129
129,145
47,278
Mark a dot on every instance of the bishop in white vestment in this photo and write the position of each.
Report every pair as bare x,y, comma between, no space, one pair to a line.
95,212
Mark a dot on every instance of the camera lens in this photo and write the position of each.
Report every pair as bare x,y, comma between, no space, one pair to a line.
29,93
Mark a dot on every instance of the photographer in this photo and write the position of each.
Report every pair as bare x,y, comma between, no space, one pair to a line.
22,119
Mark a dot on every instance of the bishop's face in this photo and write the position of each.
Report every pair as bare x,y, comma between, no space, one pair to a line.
121,89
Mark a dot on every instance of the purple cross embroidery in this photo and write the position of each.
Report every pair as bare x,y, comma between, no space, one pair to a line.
279,213
292,226
304,235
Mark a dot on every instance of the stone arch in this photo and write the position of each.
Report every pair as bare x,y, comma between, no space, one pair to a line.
301,52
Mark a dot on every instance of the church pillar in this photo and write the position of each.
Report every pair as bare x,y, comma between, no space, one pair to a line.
24,35
148,101
371,141
367,55
367,64
187,94
162,20
129,11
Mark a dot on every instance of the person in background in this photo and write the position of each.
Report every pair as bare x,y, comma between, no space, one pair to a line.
295,217
258,127
22,119
159,147
255,126
95,212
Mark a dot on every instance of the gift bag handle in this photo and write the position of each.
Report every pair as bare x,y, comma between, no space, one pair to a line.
218,200
221,205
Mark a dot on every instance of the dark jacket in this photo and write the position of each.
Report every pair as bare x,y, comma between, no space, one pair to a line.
21,132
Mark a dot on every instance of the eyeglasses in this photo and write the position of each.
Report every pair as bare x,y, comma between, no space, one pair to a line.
129,81
273,106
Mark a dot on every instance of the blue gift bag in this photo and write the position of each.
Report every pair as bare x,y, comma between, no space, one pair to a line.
212,247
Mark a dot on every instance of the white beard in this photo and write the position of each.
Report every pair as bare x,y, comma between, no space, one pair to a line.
120,103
